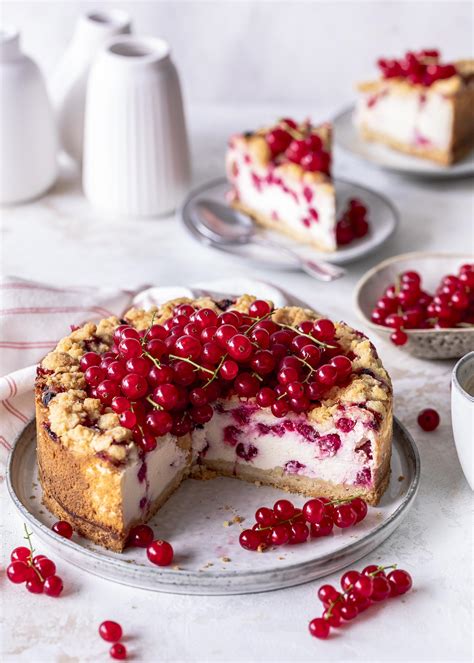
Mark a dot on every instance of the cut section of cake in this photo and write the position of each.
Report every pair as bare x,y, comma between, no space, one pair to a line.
420,106
127,409
280,176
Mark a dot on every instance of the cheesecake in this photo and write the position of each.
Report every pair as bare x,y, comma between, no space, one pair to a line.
280,176
128,409
420,106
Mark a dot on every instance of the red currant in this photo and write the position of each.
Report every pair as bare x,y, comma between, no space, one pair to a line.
110,631
428,419
62,528
160,553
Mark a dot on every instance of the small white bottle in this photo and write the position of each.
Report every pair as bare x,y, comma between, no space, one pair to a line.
28,139
69,80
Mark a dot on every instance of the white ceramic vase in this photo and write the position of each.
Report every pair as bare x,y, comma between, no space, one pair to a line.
28,140
69,81
136,157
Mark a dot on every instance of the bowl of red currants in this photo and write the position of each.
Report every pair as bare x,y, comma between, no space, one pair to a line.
422,302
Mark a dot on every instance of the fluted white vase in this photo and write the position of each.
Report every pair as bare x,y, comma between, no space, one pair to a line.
69,80
136,156
28,139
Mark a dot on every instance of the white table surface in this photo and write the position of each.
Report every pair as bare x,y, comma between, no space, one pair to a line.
60,239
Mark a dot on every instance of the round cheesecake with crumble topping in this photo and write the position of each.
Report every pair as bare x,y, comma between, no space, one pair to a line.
283,397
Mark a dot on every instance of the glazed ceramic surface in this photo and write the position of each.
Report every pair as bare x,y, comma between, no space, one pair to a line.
197,519
383,218
69,80
462,412
28,140
136,157
425,343
347,137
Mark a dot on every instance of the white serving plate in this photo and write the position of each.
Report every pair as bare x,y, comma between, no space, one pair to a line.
383,218
347,137
424,343
192,520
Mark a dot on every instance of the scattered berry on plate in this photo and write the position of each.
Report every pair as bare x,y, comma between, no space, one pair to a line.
160,553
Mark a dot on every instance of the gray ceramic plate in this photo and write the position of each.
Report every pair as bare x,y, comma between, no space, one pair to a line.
193,520
347,138
383,218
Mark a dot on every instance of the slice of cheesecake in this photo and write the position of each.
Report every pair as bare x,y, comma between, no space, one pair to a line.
420,106
280,176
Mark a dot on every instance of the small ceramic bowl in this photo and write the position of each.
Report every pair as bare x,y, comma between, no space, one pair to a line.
424,343
462,414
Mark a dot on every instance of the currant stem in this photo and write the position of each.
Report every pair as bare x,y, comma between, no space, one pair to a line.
28,536
193,363
300,333
156,405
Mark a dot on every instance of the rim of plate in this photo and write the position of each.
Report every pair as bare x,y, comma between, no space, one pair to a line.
407,441
340,256
390,261
444,172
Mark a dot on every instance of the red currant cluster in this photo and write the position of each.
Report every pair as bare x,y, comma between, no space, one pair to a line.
37,571
298,144
353,223
423,68
359,591
112,632
287,524
405,305
159,552
165,378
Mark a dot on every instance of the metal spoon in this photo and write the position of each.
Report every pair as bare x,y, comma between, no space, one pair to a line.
226,226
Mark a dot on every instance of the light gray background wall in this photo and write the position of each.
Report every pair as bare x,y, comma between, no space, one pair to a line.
233,52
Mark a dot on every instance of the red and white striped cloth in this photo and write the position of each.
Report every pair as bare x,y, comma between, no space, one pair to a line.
34,316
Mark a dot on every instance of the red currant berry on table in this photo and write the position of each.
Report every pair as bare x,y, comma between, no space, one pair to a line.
118,651
53,586
364,586
110,631
62,528
319,628
428,419
328,594
18,572
21,554
348,579
35,585
400,582
348,611
160,553
381,588
45,566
